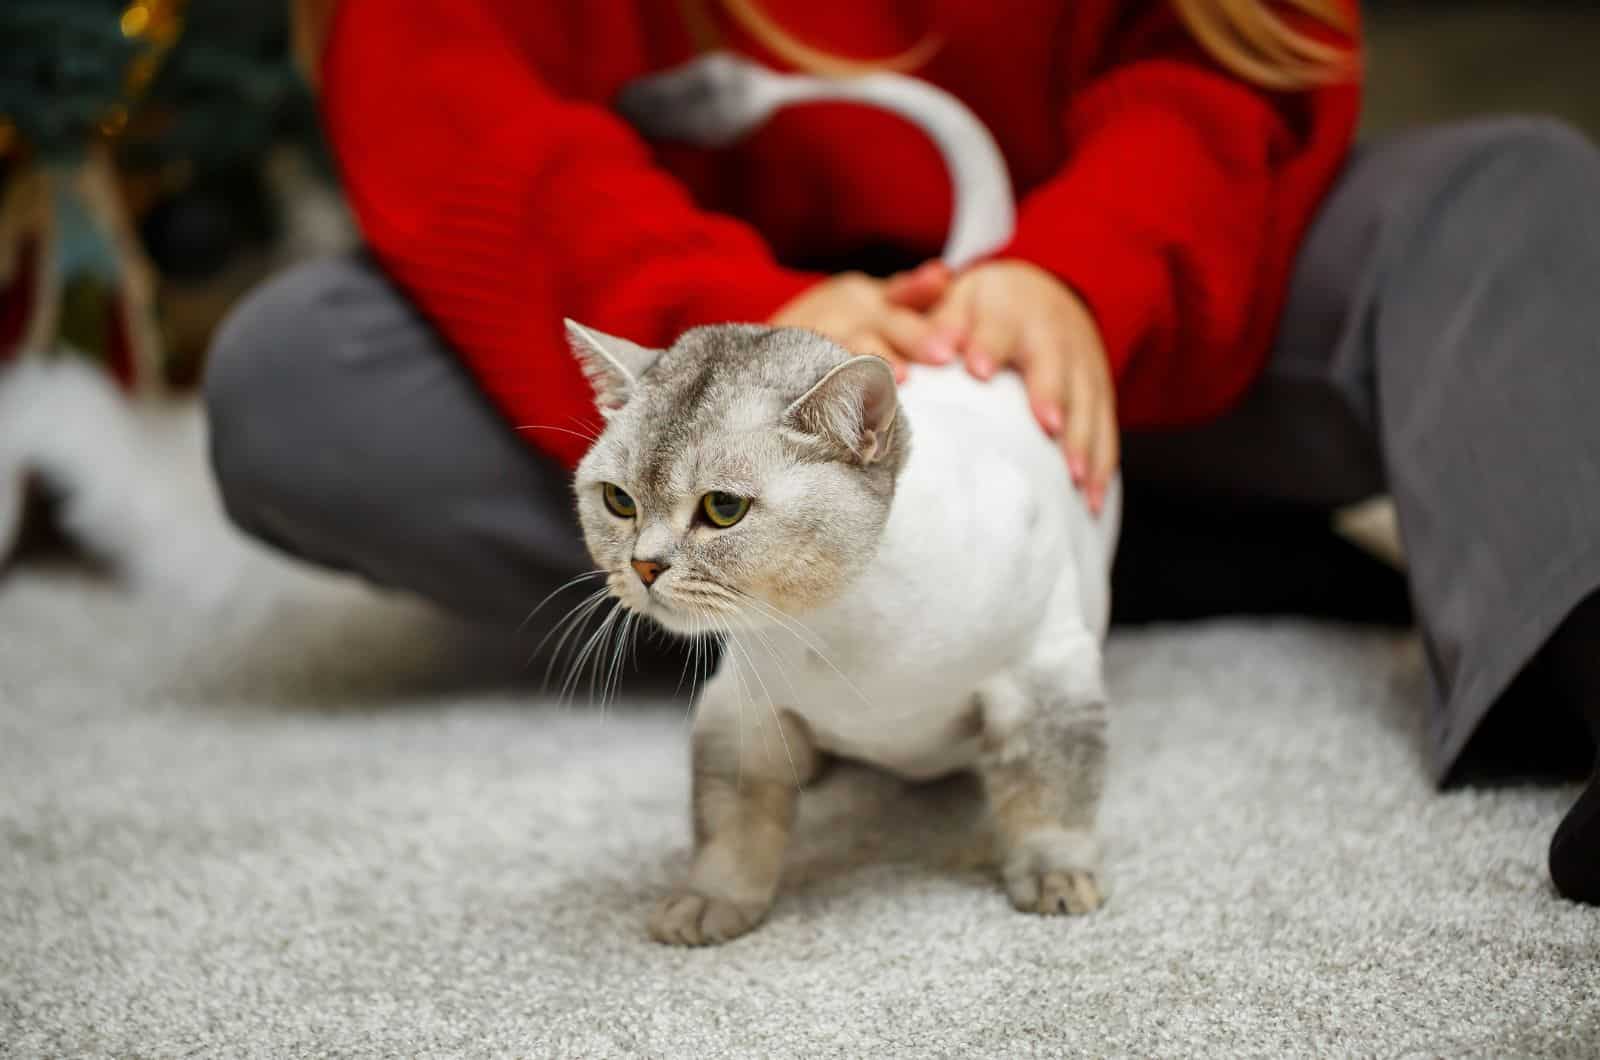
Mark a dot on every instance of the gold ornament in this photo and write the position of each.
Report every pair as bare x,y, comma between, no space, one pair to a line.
135,20
156,24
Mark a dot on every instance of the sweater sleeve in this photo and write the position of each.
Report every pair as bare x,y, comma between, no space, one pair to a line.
501,207
1177,214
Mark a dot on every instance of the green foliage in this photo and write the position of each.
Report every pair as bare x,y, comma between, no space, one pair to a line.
61,66
228,89
223,94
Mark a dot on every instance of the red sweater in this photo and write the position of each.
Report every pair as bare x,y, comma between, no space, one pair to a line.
492,181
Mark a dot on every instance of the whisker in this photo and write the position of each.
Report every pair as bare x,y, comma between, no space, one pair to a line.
590,438
692,666
734,645
705,638
586,426
630,624
688,659
608,682
704,591
783,619
632,654
683,672
699,595
732,662
574,614
600,669
569,686
600,665
772,708
553,592
569,625
783,672
777,659
701,666
633,647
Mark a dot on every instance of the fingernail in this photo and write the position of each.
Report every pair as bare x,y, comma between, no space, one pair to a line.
979,363
1097,498
1076,466
939,351
1050,415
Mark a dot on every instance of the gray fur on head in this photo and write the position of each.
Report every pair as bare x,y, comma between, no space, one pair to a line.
783,416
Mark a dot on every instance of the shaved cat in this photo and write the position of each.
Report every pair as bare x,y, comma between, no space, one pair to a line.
907,578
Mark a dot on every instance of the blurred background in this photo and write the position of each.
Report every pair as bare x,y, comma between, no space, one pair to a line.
158,157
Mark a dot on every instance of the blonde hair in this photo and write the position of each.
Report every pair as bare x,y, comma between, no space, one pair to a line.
1259,44
1254,39
309,22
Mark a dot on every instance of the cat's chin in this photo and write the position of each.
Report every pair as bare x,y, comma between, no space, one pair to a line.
680,621
678,625
664,615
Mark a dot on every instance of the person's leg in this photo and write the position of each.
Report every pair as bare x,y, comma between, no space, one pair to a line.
1488,381
1570,660
344,432
1487,378
1444,304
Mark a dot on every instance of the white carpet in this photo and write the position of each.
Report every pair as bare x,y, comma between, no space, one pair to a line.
301,820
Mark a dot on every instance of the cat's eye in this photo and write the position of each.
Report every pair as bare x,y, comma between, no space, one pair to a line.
724,509
618,501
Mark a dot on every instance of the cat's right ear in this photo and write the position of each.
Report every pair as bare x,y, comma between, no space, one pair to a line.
613,366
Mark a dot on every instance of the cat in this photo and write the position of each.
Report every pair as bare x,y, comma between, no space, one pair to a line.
905,576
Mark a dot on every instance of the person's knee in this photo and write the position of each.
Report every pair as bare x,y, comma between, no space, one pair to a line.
262,361
1495,198
1540,139
1524,165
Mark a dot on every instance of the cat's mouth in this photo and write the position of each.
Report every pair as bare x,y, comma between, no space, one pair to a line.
674,618
688,608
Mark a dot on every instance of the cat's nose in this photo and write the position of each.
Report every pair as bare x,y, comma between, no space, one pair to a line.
649,570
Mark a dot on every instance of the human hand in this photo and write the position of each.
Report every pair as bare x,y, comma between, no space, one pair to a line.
884,318
1009,313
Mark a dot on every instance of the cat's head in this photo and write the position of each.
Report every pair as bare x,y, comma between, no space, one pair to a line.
743,462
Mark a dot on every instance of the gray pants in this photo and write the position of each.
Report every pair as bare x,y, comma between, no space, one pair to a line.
1441,343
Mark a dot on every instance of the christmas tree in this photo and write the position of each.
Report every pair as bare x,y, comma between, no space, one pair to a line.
132,139
134,143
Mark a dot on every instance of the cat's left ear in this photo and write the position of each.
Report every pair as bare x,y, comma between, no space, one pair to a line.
613,366
852,407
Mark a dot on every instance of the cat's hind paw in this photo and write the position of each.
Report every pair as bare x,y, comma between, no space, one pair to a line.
689,919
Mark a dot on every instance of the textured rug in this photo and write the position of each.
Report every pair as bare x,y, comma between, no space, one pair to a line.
249,810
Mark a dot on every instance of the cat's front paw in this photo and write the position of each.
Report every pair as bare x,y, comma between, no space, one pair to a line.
1055,871
1054,893
689,919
